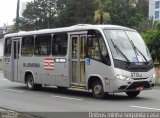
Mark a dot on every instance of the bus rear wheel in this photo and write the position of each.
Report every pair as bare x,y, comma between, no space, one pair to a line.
30,83
133,93
97,90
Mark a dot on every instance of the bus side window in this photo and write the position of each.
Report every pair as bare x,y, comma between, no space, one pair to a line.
27,46
59,44
7,50
42,45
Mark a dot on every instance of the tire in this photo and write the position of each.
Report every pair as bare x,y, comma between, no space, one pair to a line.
31,85
133,93
38,86
60,88
97,90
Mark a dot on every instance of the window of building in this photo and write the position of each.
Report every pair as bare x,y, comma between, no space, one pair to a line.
43,45
157,4
156,14
7,50
27,46
59,44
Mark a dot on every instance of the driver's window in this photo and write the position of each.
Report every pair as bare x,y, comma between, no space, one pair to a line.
93,48
97,48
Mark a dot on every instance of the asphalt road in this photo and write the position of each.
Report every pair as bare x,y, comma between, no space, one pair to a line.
49,101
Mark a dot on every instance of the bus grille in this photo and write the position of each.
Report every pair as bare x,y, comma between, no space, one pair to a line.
134,85
138,78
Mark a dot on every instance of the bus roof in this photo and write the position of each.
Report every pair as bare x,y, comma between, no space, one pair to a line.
78,27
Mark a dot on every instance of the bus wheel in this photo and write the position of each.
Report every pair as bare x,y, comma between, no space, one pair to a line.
30,82
132,93
97,90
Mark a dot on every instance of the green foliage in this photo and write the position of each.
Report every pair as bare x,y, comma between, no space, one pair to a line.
152,39
97,17
76,12
41,14
126,12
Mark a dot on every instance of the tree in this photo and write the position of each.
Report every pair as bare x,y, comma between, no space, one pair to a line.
76,12
97,17
152,39
101,16
146,24
40,14
126,12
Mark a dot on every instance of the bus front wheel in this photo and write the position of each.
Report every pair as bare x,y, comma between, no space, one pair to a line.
97,90
133,93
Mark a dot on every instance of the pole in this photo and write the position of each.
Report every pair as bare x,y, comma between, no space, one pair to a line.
101,12
17,15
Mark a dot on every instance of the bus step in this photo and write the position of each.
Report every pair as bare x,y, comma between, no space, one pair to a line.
78,87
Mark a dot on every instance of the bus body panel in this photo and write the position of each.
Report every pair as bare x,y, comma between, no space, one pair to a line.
58,75
7,68
100,70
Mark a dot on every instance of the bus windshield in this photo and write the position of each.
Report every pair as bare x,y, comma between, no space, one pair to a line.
127,46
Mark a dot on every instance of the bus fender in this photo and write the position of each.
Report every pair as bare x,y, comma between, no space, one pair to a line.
28,72
92,78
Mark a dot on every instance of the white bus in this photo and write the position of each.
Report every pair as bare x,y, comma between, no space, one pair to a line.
101,58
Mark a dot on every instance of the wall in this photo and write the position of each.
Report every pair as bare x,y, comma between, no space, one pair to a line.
1,48
1,52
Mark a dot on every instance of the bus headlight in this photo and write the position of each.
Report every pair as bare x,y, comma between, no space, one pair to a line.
154,75
122,77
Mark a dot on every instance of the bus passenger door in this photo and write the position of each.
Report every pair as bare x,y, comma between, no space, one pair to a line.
16,49
78,59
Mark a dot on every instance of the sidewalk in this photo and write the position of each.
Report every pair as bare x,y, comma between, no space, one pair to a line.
13,114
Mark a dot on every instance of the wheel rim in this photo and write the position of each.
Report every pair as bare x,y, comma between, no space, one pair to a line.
98,90
30,83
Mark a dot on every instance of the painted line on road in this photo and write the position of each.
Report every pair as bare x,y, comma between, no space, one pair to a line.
66,97
140,107
13,90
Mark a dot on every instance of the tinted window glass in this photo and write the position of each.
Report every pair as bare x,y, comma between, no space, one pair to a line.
7,50
43,45
27,46
59,44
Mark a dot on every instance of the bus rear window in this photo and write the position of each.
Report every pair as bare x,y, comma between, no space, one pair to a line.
7,50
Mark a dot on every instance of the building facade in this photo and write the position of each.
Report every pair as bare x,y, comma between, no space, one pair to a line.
154,9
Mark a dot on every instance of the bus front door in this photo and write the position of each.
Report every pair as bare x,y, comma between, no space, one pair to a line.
78,59
16,48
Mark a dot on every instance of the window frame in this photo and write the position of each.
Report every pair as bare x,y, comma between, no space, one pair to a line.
33,41
157,4
157,14
50,47
54,40
98,39
6,54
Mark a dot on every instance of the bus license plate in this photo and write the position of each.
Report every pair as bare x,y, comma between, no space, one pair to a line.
140,88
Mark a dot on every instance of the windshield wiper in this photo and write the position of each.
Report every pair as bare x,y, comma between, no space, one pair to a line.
136,49
117,48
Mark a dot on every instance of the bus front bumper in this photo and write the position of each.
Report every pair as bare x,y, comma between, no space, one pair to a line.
117,85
